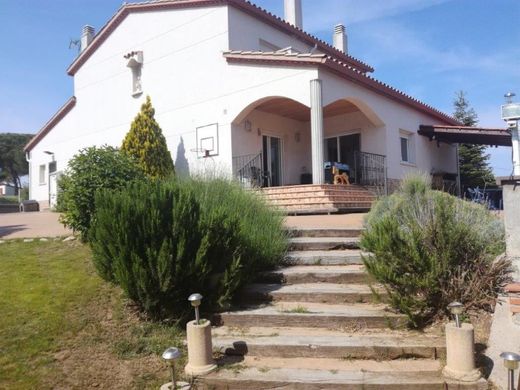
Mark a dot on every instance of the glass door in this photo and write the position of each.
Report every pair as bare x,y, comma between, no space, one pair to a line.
272,161
342,149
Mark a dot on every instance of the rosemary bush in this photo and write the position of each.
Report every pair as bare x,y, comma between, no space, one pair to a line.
429,248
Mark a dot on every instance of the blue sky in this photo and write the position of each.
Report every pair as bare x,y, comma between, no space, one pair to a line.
427,48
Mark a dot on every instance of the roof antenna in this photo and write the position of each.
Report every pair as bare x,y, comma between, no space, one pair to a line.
75,43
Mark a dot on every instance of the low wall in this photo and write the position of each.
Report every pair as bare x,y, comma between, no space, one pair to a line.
9,208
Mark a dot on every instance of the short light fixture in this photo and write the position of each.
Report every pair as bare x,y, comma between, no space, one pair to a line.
170,355
248,126
511,362
456,308
195,300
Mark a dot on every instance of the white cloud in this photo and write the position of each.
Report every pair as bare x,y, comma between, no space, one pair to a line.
330,12
387,41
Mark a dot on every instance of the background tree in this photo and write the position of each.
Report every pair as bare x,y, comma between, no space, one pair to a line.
473,159
13,164
146,143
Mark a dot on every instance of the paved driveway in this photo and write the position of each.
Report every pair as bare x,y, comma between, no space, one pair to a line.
31,225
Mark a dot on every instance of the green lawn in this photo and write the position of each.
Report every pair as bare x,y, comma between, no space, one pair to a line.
62,326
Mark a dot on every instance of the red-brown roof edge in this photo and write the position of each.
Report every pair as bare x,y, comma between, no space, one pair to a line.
243,5
343,70
64,110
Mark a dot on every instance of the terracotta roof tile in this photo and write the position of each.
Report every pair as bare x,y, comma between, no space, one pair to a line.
345,70
242,5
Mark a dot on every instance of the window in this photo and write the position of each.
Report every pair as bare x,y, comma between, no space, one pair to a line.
404,149
407,147
42,174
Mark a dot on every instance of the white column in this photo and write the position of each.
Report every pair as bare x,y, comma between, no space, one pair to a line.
318,175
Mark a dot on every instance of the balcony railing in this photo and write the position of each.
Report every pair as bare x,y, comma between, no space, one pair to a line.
248,170
370,170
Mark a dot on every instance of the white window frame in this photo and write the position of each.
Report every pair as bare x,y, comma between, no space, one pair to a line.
338,135
410,147
41,174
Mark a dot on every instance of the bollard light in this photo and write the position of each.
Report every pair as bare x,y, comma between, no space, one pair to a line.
511,362
170,355
456,309
195,300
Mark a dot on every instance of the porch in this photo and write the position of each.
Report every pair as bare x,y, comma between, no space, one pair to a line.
273,146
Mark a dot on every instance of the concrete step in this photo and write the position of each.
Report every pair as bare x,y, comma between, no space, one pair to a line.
332,257
323,343
317,274
323,243
309,314
312,292
326,232
311,188
320,194
313,374
326,204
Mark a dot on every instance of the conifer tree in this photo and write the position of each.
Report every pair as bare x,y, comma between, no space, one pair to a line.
146,143
473,160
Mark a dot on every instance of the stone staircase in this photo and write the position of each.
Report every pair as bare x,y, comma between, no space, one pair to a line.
320,199
319,323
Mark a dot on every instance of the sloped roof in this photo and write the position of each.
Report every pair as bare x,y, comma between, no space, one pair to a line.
64,110
242,5
467,135
340,68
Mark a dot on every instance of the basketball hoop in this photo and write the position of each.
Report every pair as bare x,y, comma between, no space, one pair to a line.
204,153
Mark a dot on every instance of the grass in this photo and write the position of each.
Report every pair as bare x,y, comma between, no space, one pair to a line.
61,326
298,309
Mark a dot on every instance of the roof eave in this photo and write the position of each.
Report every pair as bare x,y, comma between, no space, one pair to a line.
245,6
56,118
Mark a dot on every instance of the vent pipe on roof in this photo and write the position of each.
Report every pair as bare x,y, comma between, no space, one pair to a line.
293,12
339,38
87,35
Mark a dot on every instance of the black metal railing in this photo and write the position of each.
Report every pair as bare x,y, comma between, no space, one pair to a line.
248,170
370,170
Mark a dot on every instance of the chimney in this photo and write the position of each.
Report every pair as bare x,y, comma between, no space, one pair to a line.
339,38
293,12
87,34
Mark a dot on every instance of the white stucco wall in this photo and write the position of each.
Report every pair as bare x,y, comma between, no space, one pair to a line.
395,117
192,85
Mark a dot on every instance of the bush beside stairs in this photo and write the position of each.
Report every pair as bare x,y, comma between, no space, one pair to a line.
318,323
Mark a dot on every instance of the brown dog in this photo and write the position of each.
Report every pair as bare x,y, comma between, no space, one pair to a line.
340,179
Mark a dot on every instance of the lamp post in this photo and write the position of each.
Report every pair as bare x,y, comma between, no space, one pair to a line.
195,300
170,355
511,362
456,309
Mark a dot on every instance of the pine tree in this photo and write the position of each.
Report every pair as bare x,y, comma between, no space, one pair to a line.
146,143
473,160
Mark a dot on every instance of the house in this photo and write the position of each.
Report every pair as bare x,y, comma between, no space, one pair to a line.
7,189
241,91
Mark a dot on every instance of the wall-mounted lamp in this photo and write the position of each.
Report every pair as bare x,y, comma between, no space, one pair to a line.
248,126
49,153
297,136
511,362
170,355
195,300
456,309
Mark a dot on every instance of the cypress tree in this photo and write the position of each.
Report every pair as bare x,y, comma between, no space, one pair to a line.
473,160
146,143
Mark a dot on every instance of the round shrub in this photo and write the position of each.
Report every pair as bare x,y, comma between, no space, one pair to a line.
88,171
162,241
429,248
